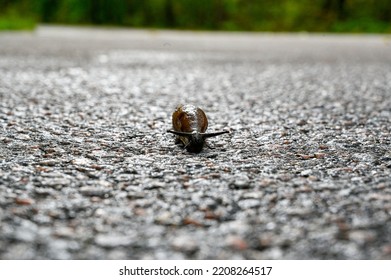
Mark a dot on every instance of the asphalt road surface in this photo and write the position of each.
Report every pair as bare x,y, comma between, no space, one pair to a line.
87,170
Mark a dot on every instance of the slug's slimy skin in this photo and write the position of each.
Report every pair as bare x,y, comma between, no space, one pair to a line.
189,124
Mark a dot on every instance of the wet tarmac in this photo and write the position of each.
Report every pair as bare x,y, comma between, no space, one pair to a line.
87,170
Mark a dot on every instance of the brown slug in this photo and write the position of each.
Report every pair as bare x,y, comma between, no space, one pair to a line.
189,124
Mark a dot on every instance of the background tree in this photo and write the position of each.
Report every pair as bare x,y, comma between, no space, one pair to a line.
250,15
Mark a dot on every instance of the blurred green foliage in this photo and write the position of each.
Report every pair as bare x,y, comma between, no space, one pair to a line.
249,15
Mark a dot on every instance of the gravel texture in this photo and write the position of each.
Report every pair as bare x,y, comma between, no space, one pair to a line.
87,170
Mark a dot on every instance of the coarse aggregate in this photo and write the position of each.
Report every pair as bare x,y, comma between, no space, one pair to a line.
87,170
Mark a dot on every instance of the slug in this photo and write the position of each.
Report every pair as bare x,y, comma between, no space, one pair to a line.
189,124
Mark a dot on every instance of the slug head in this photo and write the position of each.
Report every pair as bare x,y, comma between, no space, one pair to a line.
195,143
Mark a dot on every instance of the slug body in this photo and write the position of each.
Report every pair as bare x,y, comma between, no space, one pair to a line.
189,124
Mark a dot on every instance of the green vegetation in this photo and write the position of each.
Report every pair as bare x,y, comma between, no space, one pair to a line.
16,16
250,15
12,22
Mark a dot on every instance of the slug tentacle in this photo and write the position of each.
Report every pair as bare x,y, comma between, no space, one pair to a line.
213,134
